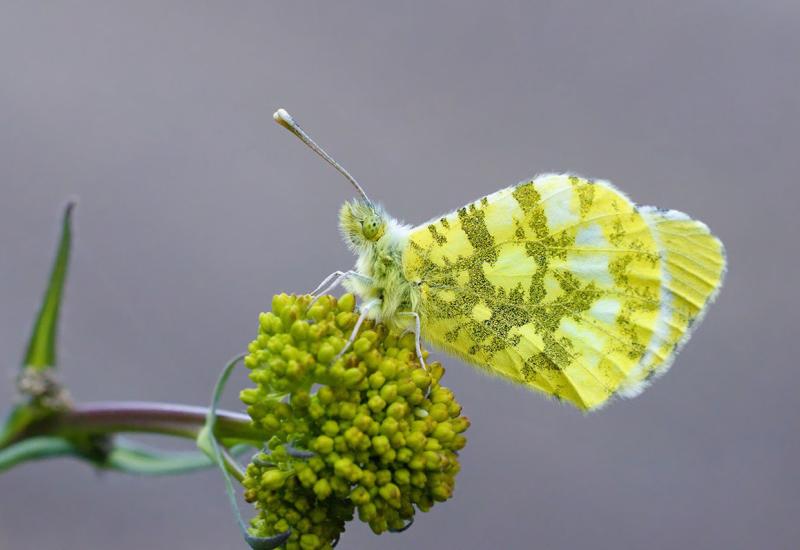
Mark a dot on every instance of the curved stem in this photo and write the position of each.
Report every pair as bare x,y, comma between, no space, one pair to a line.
35,448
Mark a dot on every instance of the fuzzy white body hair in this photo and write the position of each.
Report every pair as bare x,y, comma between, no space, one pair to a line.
380,281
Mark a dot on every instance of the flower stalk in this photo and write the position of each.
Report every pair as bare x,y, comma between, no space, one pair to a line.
112,417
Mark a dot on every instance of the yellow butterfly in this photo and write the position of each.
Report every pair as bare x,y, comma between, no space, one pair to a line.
560,283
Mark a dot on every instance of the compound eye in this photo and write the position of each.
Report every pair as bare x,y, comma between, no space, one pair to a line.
371,229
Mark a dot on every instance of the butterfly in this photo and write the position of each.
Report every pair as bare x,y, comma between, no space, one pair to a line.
560,284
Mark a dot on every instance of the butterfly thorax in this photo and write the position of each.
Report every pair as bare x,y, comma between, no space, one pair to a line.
379,241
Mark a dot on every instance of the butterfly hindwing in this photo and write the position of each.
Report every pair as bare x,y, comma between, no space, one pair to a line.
557,284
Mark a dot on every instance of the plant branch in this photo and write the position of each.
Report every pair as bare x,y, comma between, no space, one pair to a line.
110,417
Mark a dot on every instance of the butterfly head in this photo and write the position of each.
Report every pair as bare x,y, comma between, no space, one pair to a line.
362,224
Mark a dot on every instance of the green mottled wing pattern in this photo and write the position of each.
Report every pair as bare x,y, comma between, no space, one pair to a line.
559,284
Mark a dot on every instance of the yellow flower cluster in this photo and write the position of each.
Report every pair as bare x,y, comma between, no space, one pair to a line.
369,430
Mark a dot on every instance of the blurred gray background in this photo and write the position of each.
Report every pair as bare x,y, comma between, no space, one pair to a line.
195,208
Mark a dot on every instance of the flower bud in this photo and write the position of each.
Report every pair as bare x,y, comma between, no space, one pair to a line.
376,380
460,424
323,445
391,494
359,496
376,404
346,303
362,346
322,489
388,369
421,379
273,479
354,437
380,444
397,410
330,428
389,393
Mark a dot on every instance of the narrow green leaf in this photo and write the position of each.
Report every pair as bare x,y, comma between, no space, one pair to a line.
19,418
35,448
209,445
41,352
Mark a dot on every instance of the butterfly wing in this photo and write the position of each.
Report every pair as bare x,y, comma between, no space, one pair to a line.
692,270
563,285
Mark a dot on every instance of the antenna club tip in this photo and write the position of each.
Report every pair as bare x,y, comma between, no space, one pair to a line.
283,118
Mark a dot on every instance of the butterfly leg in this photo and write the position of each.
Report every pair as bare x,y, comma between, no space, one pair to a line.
364,311
337,277
417,333
325,281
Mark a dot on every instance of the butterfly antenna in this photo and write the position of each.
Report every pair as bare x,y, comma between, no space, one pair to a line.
285,119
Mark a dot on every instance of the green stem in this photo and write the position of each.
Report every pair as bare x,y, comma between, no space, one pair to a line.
110,417
35,448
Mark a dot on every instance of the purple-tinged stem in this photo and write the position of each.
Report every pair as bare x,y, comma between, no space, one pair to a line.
108,417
